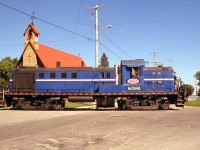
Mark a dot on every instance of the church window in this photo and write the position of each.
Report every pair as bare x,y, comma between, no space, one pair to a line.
30,34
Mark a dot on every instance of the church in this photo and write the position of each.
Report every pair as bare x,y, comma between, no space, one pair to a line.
41,56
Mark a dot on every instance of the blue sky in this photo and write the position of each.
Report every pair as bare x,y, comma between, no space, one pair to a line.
169,27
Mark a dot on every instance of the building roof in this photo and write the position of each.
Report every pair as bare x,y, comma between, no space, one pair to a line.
31,25
50,56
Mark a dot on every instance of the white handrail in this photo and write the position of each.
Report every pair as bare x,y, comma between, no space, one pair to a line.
3,94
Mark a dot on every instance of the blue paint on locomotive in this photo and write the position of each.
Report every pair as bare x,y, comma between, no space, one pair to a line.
81,81
135,77
131,76
159,79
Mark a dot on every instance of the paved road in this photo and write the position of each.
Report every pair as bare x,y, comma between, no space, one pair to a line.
115,130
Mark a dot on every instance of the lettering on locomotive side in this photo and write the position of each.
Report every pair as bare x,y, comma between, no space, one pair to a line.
133,88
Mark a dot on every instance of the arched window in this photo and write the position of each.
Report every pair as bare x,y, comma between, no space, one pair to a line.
30,34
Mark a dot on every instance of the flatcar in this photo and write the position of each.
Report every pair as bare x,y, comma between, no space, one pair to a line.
129,84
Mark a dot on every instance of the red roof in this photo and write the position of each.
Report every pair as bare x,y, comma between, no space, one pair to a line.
49,57
35,30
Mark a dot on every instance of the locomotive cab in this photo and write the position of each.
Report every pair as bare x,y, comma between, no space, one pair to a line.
129,74
128,77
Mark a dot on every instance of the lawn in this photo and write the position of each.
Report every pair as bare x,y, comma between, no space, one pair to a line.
195,103
77,104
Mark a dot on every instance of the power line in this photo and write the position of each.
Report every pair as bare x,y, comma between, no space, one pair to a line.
109,50
88,38
116,45
11,44
63,40
159,9
52,41
33,17
78,14
157,21
49,9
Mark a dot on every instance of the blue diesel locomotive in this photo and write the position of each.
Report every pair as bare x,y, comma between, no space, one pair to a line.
130,84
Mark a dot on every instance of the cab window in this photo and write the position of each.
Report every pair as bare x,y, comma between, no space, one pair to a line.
108,75
135,71
101,75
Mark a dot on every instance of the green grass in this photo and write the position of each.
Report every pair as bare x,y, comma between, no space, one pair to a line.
77,104
195,103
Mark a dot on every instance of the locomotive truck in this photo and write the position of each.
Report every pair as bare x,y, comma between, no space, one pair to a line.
129,84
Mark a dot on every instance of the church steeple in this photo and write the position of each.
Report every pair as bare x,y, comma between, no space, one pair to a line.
31,35
31,45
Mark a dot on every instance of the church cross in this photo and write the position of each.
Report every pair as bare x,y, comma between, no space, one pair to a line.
32,17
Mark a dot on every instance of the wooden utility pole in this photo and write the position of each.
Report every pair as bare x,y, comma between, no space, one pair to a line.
96,9
155,56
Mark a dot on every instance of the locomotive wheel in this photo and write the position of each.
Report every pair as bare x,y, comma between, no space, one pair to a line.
9,101
164,105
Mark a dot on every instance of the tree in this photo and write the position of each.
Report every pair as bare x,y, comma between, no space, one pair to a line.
3,84
197,76
189,89
6,64
104,61
198,94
